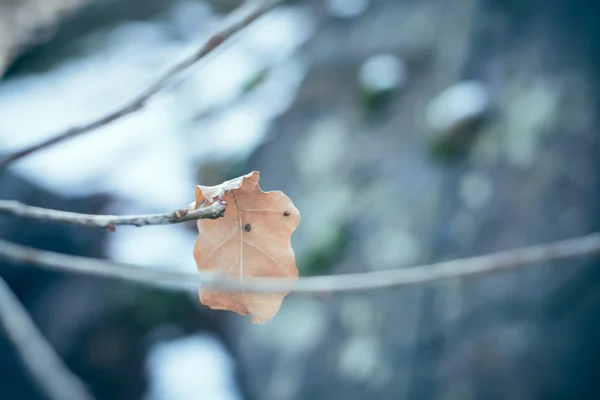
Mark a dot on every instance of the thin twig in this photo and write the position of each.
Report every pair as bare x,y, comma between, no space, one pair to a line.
503,260
44,365
238,20
213,211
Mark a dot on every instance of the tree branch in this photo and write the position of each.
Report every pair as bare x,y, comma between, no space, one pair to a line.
503,260
44,365
238,20
213,211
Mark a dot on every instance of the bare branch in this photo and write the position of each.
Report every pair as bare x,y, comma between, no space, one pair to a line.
213,211
44,365
504,260
241,18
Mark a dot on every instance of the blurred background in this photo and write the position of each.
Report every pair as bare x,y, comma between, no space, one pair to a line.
405,131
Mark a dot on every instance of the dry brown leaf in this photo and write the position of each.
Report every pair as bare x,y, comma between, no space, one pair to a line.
251,240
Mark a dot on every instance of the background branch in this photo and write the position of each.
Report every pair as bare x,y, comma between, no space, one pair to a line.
238,20
110,221
44,365
583,245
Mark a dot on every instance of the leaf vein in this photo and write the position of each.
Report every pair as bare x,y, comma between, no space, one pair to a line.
270,258
221,245
237,206
260,210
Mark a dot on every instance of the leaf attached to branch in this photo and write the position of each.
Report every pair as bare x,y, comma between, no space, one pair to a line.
251,240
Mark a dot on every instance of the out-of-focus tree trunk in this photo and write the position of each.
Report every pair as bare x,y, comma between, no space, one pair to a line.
24,22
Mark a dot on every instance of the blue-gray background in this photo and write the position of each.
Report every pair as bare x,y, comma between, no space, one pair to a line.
405,131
